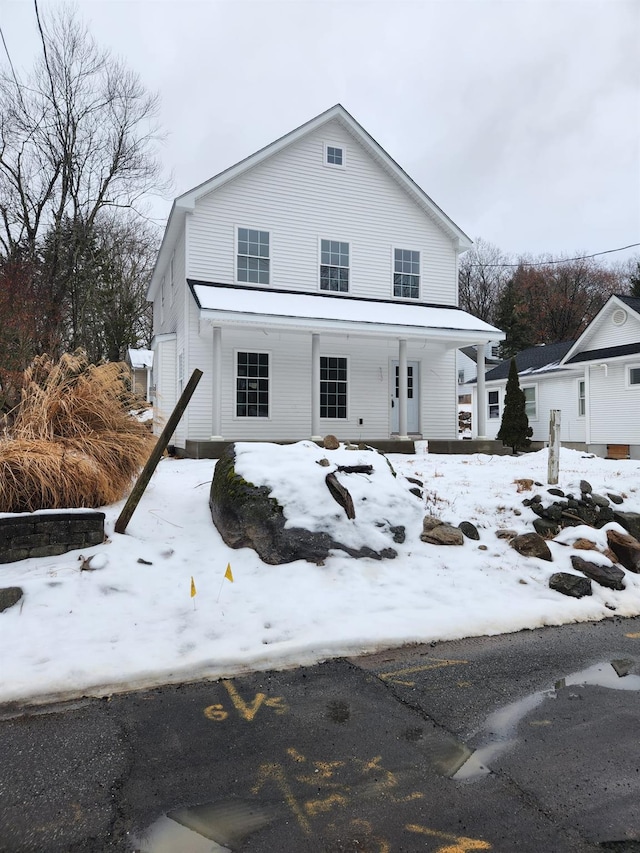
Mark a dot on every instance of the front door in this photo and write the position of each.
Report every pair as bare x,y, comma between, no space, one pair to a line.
413,397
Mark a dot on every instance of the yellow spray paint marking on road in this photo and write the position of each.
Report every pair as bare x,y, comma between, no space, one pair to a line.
457,843
395,677
246,710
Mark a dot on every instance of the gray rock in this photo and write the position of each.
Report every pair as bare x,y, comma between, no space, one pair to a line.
330,442
626,549
532,545
469,530
616,499
600,500
585,487
557,492
9,596
443,534
610,576
572,585
545,527
630,521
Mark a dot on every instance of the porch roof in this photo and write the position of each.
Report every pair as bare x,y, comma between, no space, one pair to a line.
233,304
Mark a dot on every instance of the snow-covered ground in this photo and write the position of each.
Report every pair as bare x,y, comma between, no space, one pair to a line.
133,621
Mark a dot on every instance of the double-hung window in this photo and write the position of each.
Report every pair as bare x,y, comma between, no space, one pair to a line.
252,385
530,406
253,256
334,266
333,387
406,273
582,406
493,401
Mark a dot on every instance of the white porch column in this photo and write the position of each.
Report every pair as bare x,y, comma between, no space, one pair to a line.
216,386
587,405
402,390
315,387
481,408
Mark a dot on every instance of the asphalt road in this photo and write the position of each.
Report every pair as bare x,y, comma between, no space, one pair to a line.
491,743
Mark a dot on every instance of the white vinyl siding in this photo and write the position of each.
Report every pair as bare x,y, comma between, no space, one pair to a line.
614,405
605,333
299,201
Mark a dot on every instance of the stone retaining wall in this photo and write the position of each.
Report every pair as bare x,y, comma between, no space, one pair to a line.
48,534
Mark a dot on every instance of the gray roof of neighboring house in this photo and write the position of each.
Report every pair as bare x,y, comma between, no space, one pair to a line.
632,301
605,352
532,360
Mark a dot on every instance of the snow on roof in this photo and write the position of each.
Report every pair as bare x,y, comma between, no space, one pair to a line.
140,358
309,308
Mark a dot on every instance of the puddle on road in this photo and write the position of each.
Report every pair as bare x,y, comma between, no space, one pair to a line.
501,726
206,828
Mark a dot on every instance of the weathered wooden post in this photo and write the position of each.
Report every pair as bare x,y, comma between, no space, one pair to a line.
156,454
554,446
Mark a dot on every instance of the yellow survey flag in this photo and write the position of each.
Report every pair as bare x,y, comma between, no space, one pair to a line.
228,574
193,587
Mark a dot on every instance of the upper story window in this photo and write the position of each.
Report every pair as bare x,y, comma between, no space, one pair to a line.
334,266
634,375
253,256
530,402
333,156
406,273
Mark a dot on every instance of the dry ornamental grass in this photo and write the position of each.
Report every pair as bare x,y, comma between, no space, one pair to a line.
72,441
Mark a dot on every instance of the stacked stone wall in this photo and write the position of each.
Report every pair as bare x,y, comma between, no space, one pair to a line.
48,534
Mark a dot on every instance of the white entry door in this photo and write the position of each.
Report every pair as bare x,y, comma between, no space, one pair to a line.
413,397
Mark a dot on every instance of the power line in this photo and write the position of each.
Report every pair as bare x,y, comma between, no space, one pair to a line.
560,260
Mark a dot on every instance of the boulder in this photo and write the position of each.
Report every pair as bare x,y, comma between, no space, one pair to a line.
443,534
545,527
610,576
626,549
505,533
429,522
572,585
330,442
585,487
248,517
532,545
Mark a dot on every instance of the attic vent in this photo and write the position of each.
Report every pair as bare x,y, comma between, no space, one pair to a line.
619,317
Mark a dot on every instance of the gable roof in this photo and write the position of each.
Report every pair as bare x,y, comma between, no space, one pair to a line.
533,360
186,202
604,353
632,302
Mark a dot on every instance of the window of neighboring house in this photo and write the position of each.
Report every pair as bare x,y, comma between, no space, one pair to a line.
171,280
334,156
582,403
162,300
464,399
252,385
461,377
495,350
406,273
493,401
253,256
180,372
530,402
333,387
634,375
334,266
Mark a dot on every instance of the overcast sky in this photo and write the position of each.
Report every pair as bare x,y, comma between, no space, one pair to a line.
520,118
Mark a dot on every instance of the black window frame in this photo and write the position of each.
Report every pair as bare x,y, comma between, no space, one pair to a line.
334,387
334,273
406,273
253,266
252,382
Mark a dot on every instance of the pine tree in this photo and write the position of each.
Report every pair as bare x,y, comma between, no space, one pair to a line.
515,431
634,281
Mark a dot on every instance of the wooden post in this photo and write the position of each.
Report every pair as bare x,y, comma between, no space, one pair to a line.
554,446
156,454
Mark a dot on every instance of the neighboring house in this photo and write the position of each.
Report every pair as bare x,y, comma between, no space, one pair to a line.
141,363
315,285
594,382
466,370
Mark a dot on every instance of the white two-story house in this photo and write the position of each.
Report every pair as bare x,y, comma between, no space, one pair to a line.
316,286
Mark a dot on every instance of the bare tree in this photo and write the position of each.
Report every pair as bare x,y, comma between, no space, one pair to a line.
77,138
483,273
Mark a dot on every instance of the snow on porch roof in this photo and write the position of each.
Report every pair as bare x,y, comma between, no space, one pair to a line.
340,313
